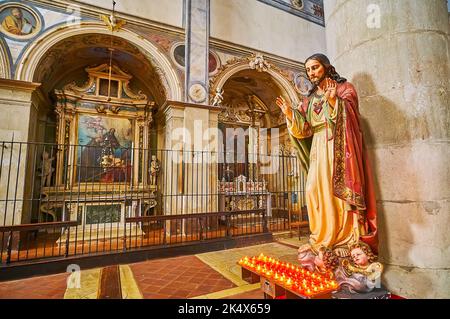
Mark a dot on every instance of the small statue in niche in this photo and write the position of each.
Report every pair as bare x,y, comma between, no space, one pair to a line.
154,170
47,169
218,98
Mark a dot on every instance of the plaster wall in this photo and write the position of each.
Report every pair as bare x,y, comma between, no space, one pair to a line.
263,27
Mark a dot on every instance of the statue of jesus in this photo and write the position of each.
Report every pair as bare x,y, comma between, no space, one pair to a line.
339,192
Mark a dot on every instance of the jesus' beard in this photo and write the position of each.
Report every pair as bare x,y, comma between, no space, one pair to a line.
317,82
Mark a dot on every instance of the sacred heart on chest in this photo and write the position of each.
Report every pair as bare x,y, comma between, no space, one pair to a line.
317,107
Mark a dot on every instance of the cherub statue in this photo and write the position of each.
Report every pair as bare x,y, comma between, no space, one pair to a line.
47,169
154,170
218,98
360,274
324,260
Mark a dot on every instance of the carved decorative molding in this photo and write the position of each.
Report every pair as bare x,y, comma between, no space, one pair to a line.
255,61
92,87
259,64
112,22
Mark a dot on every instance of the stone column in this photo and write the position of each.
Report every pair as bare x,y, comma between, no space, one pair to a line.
172,166
19,108
190,164
19,105
212,139
197,43
396,53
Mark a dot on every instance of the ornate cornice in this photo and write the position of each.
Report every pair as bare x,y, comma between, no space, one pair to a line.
18,85
179,104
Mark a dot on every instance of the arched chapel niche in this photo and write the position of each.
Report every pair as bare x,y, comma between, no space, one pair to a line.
95,119
257,154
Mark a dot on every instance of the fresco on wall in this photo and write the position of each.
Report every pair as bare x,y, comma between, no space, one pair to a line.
311,10
179,56
18,22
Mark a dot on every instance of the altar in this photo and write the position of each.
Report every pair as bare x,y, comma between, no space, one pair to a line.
241,194
103,157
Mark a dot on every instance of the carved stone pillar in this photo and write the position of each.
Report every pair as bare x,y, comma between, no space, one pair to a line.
19,105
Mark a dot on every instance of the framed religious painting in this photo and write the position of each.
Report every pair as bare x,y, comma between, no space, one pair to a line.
104,148
107,126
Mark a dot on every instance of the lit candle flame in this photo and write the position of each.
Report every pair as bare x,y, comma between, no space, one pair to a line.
295,277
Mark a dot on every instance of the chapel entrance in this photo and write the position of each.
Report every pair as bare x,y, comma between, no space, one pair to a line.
257,156
94,143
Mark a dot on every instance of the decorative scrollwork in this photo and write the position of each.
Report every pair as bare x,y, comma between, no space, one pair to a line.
258,63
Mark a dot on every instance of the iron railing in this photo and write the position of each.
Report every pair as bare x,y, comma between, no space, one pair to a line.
67,200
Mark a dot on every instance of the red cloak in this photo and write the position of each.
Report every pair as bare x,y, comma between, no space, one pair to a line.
352,175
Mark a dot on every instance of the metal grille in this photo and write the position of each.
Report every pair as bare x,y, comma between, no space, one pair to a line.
66,200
